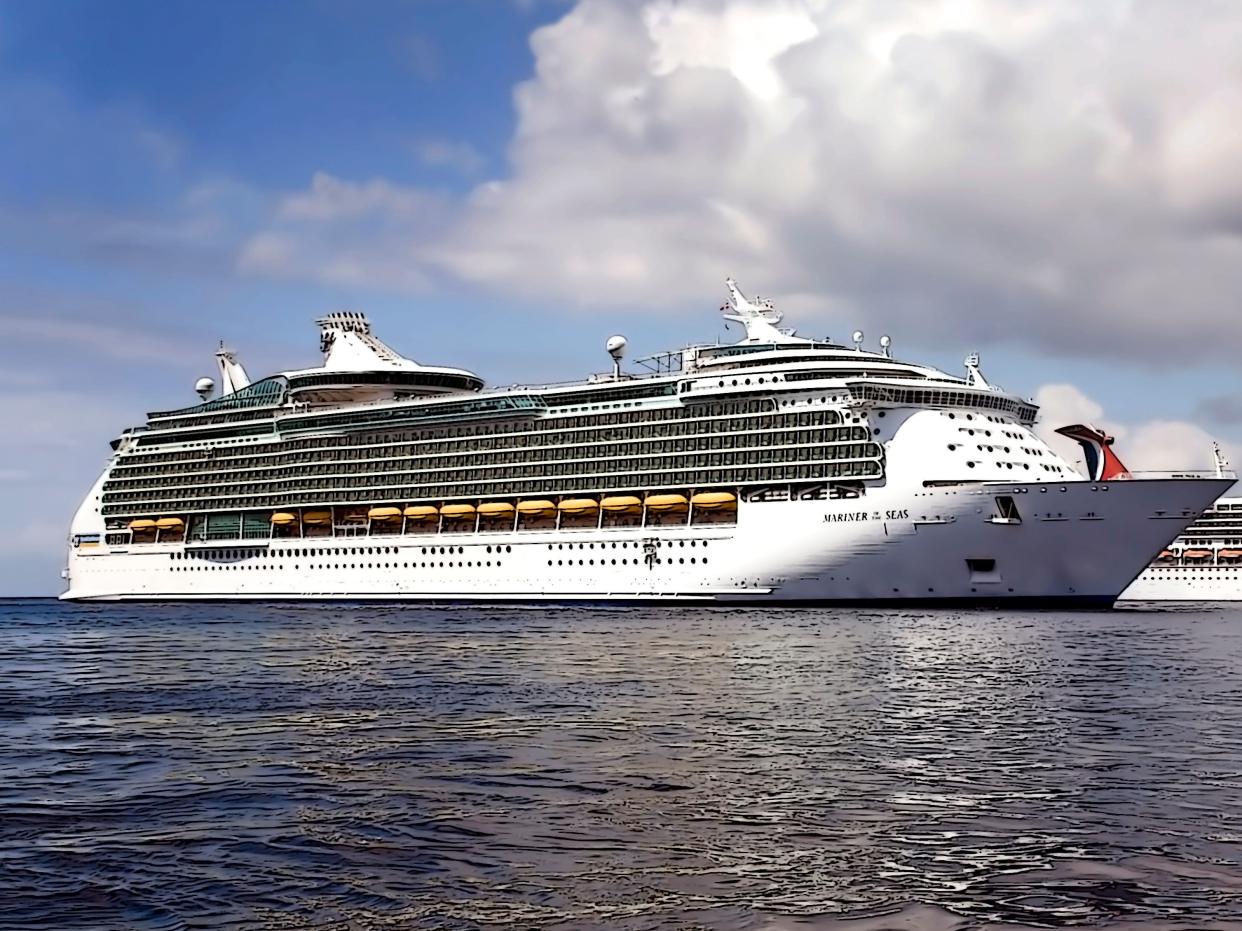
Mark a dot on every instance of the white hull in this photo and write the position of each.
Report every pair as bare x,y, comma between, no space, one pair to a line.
1187,583
1079,543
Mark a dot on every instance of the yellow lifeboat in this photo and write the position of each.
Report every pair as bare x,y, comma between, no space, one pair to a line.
170,523
384,514
574,506
666,502
1198,554
284,517
457,511
538,508
714,500
496,509
142,523
421,512
317,518
621,503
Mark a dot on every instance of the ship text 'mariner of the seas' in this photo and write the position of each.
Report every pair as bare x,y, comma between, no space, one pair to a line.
776,469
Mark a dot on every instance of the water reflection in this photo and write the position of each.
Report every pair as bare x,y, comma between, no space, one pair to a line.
396,767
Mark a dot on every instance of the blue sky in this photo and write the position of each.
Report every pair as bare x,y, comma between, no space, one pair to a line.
503,184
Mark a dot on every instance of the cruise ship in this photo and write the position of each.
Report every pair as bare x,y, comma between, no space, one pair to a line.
1204,563
778,469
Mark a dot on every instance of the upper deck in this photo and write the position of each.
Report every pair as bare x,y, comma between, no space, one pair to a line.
363,383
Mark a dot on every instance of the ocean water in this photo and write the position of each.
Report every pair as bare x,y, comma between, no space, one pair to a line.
359,766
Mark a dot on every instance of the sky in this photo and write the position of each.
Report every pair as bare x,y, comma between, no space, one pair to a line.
502,184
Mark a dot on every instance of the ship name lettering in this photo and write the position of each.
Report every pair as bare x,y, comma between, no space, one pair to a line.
892,514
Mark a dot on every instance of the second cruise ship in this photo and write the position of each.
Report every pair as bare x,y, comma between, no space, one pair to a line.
778,469
1204,563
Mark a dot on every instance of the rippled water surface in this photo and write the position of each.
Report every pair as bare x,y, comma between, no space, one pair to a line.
396,767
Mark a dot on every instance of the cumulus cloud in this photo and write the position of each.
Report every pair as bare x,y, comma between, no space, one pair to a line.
342,232
1154,445
1061,174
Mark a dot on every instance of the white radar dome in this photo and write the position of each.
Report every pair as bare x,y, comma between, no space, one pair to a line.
616,346
204,386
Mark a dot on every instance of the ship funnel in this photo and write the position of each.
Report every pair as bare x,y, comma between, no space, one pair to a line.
1097,449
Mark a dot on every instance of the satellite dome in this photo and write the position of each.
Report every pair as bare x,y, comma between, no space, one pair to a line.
204,386
616,346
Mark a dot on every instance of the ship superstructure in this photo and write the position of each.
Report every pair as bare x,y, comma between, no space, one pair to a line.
775,469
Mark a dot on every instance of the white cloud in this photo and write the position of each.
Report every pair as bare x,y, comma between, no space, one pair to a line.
1171,445
91,340
461,157
1154,445
1060,174
331,199
341,232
